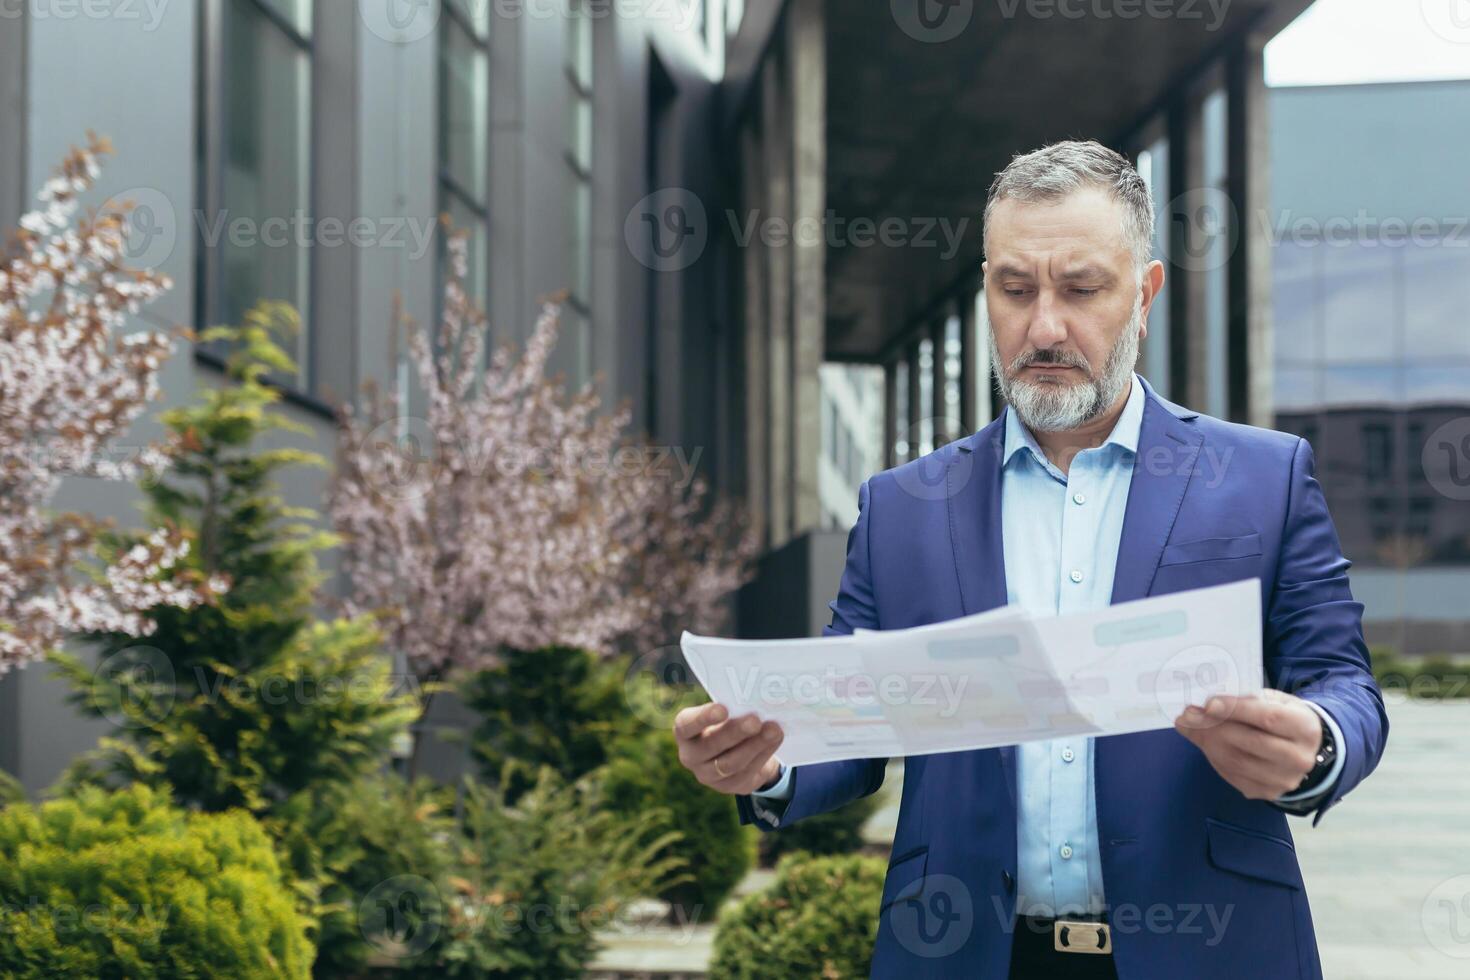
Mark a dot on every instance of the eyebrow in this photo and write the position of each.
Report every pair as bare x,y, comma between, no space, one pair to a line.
1082,273
1090,273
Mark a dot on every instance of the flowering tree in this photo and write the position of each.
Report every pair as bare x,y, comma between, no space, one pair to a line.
70,383
515,515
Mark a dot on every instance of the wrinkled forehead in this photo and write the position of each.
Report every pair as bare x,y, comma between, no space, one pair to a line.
1086,225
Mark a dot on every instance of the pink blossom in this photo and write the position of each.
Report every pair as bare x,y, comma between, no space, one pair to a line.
506,515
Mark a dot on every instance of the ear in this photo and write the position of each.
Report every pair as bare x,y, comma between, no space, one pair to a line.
1153,282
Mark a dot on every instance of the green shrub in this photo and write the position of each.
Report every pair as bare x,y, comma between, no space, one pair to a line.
838,831
1421,678
345,842
559,707
645,774
818,919
11,791
125,885
535,881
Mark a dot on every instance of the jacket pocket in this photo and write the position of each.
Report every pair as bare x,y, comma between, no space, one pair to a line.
1253,853
905,878
1212,549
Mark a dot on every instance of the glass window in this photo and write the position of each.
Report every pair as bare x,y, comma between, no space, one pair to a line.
1215,117
951,408
901,410
464,94
265,156
1153,167
1294,300
1437,300
1359,304
926,397
579,149
296,13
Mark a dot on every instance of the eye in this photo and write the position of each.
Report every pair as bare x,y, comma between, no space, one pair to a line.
1016,290
1086,291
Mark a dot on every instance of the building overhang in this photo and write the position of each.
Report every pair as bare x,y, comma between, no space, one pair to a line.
917,128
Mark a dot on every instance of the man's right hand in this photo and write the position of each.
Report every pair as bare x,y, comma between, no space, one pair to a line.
731,755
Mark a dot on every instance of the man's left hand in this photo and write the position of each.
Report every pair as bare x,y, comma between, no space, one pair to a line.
1262,744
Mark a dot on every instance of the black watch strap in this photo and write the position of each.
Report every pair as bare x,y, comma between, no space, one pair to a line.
1326,756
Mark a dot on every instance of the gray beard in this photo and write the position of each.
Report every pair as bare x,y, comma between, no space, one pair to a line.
1047,407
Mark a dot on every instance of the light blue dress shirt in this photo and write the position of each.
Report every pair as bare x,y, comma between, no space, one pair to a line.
1061,536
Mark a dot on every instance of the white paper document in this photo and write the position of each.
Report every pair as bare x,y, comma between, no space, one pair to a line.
998,678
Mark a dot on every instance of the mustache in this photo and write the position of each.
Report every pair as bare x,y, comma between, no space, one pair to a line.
1062,358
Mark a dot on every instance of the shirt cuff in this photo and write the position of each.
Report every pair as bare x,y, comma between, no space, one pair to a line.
781,790
1324,787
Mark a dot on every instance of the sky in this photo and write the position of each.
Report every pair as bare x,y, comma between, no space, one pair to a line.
1346,41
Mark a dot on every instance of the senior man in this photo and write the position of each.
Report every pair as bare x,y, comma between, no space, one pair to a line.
1161,854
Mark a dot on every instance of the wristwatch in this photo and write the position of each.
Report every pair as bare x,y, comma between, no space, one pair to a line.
1326,755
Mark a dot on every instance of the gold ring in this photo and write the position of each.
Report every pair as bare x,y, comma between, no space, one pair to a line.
723,773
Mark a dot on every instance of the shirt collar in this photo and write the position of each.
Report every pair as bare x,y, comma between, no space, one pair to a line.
1124,434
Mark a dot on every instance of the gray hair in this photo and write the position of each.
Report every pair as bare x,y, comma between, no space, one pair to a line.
1052,172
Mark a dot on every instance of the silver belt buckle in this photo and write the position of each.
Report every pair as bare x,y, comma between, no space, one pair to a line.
1072,936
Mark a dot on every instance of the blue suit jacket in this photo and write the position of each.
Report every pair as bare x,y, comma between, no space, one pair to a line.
1201,882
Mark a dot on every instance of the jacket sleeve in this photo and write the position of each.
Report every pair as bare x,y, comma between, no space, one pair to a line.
828,785
1314,632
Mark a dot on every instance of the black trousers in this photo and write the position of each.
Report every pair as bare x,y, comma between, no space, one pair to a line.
1034,956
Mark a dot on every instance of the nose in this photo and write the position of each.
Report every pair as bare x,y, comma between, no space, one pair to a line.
1047,327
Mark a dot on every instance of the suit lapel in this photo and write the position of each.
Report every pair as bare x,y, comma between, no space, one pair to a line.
1168,448
972,488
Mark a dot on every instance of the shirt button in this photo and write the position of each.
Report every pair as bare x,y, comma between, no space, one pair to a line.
1065,850
1068,755
1076,575
1078,498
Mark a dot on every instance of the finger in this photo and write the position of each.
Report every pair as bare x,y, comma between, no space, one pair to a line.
1256,779
1285,754
749,754
753,776
1278,717
690,722
720,739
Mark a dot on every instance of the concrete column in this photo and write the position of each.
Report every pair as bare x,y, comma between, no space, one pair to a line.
916,407
969,363
14,191
335,316
776,147
1251,360
1189,196
755,306
808,126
